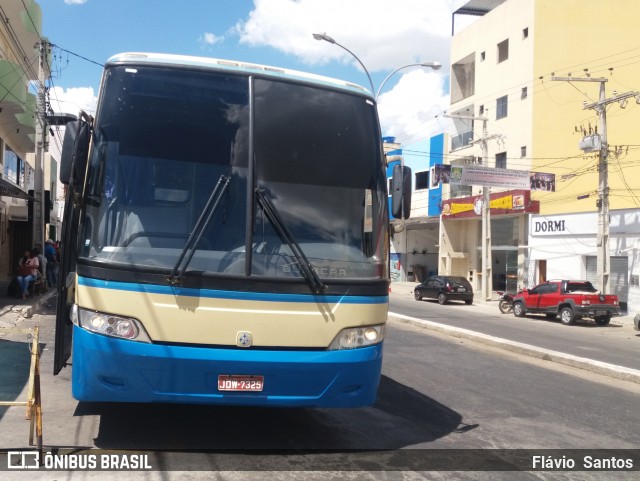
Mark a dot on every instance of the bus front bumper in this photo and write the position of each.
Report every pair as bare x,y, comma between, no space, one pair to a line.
106,369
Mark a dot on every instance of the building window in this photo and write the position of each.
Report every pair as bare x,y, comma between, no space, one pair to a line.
501,160
13,168
523,93
461,140
483,55
503,50
481,110
422,180
523,151
463,75
501,107
525,33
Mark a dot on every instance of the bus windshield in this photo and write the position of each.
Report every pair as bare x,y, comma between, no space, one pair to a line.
163,139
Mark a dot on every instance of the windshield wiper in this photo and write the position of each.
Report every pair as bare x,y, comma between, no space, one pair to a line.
190,246
274,217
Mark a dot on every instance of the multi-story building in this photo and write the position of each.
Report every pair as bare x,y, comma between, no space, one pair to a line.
415,242
526,82
20,33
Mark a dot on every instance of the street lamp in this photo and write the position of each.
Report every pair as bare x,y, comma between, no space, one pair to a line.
327,38
433,65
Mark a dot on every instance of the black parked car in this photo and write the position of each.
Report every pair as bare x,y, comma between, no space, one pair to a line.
445,288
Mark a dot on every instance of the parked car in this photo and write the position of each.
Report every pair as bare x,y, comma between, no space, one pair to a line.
445,288
636,322
571,300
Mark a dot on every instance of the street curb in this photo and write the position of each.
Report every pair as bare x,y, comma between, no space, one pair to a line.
610,370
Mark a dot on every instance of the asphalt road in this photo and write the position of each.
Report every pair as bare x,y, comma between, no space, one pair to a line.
617,343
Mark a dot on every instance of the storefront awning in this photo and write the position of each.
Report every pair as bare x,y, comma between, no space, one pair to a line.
11,190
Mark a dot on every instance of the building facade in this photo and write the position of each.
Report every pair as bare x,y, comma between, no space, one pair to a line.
415,243
20,34
561,243
526,81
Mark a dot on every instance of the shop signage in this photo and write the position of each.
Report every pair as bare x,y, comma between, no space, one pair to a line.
549,226
490,177
621,222
542,181
509,202
9,189
567,224
18,212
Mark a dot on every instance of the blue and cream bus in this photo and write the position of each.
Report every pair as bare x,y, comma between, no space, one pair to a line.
225,237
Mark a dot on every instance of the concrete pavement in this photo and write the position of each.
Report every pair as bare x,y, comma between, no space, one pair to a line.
13,310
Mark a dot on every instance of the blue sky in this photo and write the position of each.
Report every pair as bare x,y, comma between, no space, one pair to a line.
384,34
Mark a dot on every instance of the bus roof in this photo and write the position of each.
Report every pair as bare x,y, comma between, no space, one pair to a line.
231,65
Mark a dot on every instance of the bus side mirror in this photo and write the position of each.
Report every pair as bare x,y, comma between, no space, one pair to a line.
401,192
75,151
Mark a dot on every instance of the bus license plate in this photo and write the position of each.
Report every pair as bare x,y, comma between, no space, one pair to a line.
240,383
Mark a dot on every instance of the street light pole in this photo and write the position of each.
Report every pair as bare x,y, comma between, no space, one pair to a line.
433,65
327,38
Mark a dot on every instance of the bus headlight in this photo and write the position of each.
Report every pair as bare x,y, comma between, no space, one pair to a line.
355,337
109,324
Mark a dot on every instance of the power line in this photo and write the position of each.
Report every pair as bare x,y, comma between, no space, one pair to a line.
78,55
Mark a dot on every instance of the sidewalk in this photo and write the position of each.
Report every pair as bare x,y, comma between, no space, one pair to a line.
12,310
406,289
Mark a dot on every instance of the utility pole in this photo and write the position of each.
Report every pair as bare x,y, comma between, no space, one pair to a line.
40,141
602,239
486,280
487,258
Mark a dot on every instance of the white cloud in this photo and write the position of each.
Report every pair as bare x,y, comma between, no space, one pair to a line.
383,34
73,100
75,2
413,109
211,38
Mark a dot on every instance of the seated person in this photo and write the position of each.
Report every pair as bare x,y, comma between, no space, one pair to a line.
27,272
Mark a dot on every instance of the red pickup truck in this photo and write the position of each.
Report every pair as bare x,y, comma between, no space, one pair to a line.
571,300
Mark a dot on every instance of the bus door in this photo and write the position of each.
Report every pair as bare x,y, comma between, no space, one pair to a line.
73,164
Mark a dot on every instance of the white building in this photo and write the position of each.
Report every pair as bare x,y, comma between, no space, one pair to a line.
565,246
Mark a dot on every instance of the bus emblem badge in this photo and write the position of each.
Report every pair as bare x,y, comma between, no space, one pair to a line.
244,339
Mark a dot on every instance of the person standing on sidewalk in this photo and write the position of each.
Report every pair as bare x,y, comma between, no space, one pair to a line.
51,255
